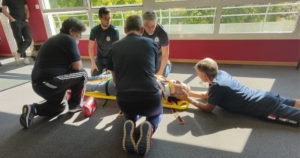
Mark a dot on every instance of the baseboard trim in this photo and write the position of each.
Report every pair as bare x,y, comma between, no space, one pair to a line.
235,62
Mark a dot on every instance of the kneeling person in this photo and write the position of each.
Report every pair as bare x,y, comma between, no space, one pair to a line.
58,68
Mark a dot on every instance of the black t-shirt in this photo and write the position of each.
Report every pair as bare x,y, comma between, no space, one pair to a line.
104,39
16,8
133,60
160,36
55,57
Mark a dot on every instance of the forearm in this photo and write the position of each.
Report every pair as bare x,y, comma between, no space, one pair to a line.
202,95
91,55
200,105
7,15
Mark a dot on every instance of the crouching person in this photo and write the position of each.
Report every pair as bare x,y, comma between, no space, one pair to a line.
58,68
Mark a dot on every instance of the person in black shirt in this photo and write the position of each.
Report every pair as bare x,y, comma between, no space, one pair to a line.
104,34
157,32
132,63
18,16
58,68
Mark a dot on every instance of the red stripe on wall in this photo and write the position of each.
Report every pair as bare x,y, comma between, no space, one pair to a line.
242,50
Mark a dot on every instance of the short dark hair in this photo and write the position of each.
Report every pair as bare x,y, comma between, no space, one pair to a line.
134,22
103,11
74,24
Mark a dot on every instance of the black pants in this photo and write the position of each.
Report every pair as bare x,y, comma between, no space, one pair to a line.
22,35
53,90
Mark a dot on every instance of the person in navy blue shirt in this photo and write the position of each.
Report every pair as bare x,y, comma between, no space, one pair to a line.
226,92
132,63
157,32
104,35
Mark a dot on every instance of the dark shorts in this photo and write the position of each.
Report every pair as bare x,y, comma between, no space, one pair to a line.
286,112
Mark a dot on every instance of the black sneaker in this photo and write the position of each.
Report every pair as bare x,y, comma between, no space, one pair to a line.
28,113
129,136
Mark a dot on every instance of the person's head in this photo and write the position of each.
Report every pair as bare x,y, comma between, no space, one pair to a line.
134,23
104,17
179,86
207,69
150,21
73,27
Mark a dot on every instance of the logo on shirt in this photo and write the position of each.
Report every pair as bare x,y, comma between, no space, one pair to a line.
156,39
107,38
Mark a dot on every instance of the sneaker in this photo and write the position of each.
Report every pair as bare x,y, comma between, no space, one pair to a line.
17,58
28,113
129,137
76,109
143,144
26,61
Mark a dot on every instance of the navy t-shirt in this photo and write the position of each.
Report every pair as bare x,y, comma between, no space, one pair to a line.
104,39
55,57
133,60
16,8
229,94
160,36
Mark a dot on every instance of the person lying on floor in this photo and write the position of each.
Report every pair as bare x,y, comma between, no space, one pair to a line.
226,92
103,84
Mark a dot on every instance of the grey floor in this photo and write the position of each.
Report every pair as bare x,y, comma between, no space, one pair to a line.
219,134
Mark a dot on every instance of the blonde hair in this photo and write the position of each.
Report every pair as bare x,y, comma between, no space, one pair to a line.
207,66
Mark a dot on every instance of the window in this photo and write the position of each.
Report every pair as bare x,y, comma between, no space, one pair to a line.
187,20
100,3
260,18
56,20
61,4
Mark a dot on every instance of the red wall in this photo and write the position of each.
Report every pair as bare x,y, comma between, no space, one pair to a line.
240,50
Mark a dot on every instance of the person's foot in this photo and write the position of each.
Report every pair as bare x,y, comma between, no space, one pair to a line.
129,136
28,113
143,144
26,61
75,109
17,58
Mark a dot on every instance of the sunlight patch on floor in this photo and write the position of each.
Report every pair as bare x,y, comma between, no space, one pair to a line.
232,140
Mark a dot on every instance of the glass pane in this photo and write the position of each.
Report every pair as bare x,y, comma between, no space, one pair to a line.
56,21
187,20
100,3
57,4
260,18
118,18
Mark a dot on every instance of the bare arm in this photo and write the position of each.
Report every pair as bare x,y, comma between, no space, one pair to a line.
77,65
26,11
203,106
5,12
203,95
164,59
91,51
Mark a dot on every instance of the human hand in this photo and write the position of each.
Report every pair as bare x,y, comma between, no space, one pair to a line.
12,20
27,20
93,68
181,96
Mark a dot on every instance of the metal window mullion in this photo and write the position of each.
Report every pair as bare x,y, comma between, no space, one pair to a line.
217,20
229,15
263,25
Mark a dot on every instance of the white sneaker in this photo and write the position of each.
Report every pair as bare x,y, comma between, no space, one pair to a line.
26,61
17,58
